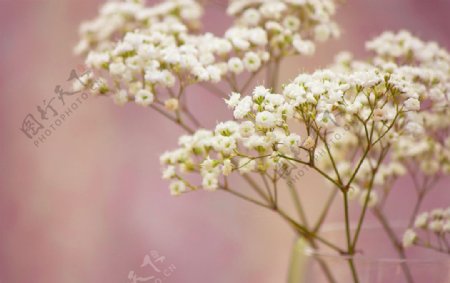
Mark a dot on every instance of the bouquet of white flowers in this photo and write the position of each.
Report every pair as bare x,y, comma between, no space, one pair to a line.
361,124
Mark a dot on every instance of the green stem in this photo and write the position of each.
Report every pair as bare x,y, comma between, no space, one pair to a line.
350,249
297,203
395,242
325,210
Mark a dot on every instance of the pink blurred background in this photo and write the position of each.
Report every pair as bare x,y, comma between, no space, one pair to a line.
88,204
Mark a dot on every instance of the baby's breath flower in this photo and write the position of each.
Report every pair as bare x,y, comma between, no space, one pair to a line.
436,225
233,99
121,97
409,238
227,167
169,172
265,119
171,104
177,188
412,104
235,65
252,62
421,220
144,97
309,143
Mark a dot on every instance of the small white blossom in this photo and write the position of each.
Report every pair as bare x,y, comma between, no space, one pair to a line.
177,188
421,220
265,119
409,238
235,65
121,97
210,182
412,104
144,97
247,129
252,62
234,99
169,172
171,104
227,167
436,226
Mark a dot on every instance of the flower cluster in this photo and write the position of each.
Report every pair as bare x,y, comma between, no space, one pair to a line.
435,222
264,137
290,26
403,48
151,54
359,124
421,69
118,17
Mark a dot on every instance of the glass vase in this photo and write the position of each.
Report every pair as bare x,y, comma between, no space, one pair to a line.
377,260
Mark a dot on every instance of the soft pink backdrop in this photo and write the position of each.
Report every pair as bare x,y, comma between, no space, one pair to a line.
88,204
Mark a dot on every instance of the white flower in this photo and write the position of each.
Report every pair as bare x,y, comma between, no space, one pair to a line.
121,97
227,167
412,104
326,119
409,238
117,69
240,43
225,145
214,73
246,129
235,65
322,32
223,47
436,226
292,23
227,129
266,119
169,172
144,97
251,17
421,220
292,140
171,104
446,227
167,78
258,36
252,62
97,60
177,188
260,92
122,48
304,47
309,143
437,213
243,107
210,182
414,128
234,99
